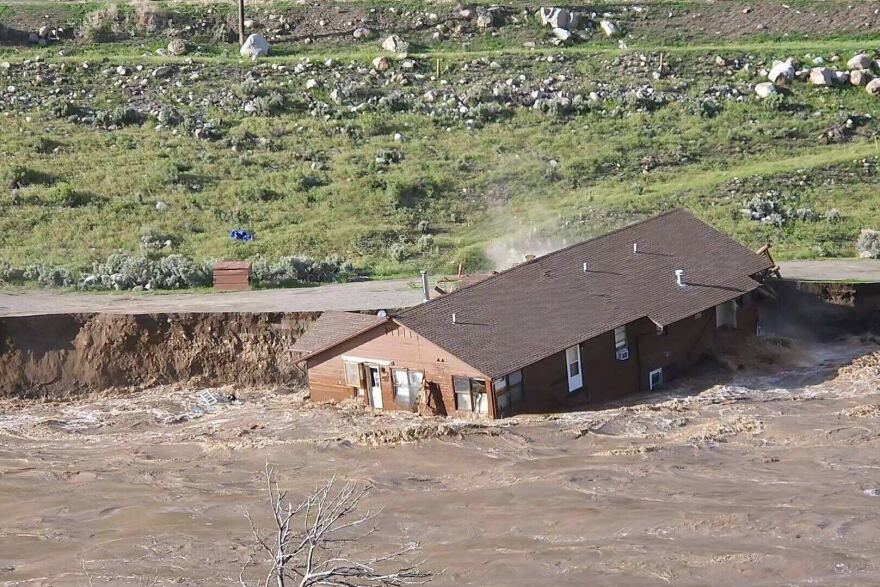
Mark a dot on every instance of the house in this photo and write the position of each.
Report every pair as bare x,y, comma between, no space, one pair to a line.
617,314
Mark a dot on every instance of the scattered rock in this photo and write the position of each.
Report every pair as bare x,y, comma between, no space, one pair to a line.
821,76
860,77
609,28
782,72
177,47
161,206
311,84
873,87
720,61
381,64
765,89
162,71
255,46
363,33
122,70
44,32
562,34
558,18
860,61
395,44
486,20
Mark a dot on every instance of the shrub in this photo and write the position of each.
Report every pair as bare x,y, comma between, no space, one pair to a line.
9,273
64,195
48,276
147,16
868,243
270,104
103,24
425,242
398,251
123,271
302,269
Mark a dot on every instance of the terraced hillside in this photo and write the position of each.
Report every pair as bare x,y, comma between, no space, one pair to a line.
479,137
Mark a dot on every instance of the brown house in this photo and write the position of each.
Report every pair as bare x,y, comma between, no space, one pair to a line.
623,312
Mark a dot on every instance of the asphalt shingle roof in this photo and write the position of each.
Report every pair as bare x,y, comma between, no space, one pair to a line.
538,308
331,328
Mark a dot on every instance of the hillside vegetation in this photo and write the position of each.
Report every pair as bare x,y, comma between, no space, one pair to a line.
139,128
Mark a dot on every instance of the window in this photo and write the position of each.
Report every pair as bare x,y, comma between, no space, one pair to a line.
470,395
407,387
620,338
508,391
354,376
573,368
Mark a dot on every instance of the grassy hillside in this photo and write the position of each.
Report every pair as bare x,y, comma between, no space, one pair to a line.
319,151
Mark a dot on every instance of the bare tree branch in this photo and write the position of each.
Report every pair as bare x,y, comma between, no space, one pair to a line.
308,541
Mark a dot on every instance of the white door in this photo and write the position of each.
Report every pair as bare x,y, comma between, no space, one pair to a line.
573,366
375,383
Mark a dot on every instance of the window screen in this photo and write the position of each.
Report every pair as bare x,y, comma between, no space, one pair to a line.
620,337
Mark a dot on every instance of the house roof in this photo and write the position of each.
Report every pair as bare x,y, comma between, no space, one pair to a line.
332,328
539,308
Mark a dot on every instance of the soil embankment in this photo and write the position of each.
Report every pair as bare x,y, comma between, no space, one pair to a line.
61,355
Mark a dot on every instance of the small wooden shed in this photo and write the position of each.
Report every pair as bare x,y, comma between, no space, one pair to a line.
232,275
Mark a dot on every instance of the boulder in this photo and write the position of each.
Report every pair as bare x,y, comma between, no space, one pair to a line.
485,20
177,47
255,46
860,77
821,76
395,44
609,28
562,34
860,61
43,32
363,32
765,89
558,18
381,64
162,71
782,72
873,87
840,78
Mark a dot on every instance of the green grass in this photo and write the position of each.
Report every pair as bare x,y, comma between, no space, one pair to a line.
313,186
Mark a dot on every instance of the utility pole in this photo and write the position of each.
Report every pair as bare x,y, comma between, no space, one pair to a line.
240,22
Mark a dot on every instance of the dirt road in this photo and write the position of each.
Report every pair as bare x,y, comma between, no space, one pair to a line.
832,270
367,295
772,479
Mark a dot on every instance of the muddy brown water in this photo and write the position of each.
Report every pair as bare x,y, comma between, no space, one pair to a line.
767,479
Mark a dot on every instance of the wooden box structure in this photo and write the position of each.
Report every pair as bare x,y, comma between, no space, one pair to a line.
232,275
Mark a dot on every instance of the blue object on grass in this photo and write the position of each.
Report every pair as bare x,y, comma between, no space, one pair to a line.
241,235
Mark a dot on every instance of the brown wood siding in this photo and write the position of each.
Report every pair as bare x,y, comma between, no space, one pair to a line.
233,277
403,347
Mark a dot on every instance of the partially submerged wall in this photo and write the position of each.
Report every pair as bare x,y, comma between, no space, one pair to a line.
816,309
60,355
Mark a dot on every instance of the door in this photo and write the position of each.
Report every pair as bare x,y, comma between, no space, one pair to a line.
375,382
573,366
655,379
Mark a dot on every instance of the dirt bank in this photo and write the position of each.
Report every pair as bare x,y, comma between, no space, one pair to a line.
62,355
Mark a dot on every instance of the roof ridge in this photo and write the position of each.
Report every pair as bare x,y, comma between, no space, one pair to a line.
509,270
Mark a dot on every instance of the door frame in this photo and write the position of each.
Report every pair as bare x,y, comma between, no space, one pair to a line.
575,382
651,373
370,367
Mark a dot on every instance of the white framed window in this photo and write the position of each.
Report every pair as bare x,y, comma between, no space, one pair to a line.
620,337
470,395
725,315
655,378
573,368
407,387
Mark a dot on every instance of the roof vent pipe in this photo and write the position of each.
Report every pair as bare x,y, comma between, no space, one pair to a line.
453,318
679,277
585,267
635,247
425,290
